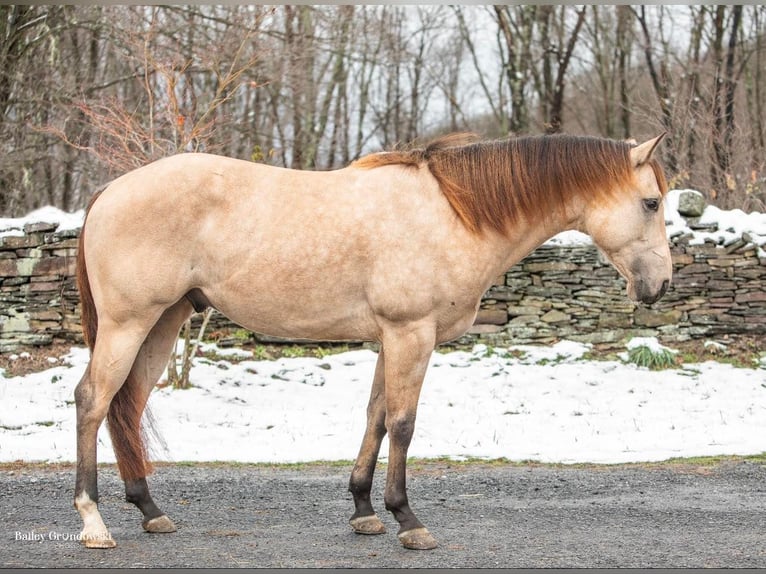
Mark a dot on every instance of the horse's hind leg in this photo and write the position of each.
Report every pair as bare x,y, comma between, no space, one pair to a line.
112,359
364,520
148,367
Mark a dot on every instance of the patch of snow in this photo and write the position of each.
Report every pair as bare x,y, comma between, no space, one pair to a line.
571,237
650,342
715,346
563,351
547,405
232,352
48,214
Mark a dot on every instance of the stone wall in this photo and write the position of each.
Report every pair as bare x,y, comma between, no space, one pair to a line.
573,293
38,295
556,292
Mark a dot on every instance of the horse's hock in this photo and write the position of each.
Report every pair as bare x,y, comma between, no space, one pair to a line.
556,292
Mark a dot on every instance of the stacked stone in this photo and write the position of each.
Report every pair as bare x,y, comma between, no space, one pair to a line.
721,290
554,293
717,288
571,292
38,295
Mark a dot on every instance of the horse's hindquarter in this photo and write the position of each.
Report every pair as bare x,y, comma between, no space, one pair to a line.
322,255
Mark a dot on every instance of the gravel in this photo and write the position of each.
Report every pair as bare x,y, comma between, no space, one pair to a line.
483,515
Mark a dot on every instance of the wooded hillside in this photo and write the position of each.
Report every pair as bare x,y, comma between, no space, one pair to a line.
87,92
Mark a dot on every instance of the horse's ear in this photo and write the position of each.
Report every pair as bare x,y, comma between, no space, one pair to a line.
640,154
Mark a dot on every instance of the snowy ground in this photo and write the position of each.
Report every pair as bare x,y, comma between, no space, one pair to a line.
546,405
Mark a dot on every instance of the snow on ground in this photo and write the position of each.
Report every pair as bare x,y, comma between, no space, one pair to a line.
539,403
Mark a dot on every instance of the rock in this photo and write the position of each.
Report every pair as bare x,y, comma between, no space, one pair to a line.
524,320
491,317
614,320
484,329
694,223
691,203
562,265
518,310
554,316
756,296
40,226
651,318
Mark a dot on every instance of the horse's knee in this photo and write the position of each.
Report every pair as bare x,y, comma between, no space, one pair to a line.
401,427
82,395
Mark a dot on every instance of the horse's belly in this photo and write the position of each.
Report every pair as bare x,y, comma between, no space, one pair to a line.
296,319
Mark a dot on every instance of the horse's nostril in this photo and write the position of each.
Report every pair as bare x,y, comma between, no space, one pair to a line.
664,288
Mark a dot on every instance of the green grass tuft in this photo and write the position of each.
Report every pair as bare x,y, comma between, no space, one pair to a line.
655,360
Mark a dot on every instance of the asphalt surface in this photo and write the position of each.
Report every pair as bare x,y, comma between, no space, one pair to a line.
483,515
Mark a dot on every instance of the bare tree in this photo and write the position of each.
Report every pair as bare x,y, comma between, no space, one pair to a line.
27,37
516,26
558,46
608,37
723,96
495,98
658,67
755,189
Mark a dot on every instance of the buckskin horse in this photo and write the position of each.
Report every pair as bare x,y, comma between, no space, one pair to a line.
396,248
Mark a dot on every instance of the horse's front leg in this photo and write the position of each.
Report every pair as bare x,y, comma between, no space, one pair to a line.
407,355
364,519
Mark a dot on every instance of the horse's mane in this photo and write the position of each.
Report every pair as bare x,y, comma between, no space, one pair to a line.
495,183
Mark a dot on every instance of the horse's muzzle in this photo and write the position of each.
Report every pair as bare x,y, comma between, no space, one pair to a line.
647,297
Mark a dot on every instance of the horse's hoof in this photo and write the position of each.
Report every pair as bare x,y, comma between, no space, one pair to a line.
104,540
160,524
417,539
367,525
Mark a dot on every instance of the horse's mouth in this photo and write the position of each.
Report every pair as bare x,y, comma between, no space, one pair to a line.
644,294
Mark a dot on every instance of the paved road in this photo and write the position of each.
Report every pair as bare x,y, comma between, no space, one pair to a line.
482,515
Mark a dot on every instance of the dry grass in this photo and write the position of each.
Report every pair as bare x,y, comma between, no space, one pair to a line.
33,359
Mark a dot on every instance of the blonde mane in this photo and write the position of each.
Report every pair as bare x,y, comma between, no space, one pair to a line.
493,184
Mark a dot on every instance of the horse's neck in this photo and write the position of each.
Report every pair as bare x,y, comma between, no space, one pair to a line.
524,238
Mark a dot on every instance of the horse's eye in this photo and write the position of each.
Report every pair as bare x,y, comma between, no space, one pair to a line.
651,204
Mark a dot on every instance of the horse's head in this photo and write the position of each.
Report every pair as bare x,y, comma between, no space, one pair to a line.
630,229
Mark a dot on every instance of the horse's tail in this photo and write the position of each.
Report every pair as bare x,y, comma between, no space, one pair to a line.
124,416
88,316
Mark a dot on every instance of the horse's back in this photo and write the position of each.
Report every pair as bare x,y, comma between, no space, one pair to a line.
194,179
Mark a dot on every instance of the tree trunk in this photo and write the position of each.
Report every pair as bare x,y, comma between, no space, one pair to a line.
662,88
624,46
723,99
553,124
